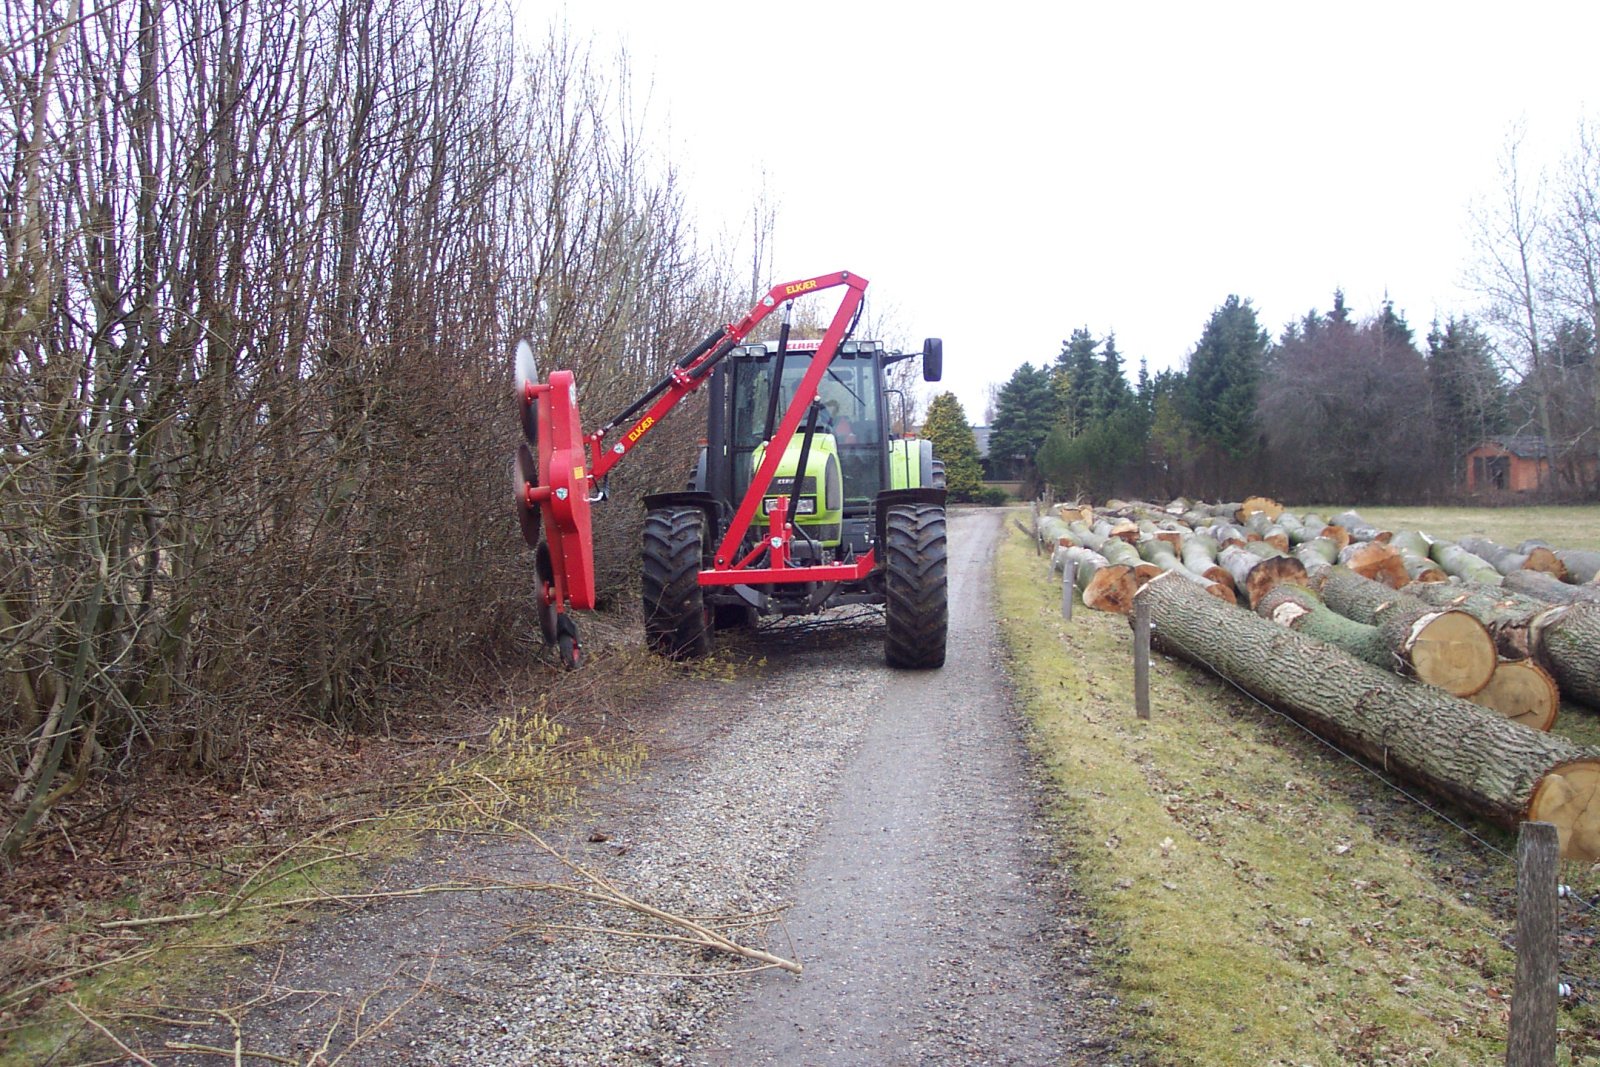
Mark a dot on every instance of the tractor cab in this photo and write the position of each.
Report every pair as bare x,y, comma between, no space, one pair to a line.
855,451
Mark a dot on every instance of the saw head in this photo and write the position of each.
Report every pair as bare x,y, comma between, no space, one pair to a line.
551,482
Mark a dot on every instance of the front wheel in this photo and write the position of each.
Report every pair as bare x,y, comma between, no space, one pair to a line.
916,608
677,620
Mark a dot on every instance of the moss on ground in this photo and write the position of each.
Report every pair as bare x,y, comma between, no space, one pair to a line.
1267,900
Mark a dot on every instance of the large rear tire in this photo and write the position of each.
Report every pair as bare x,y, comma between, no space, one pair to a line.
676,620
916,609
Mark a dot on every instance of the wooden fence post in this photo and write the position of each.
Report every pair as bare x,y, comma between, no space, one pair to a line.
1531,1041
1069,582
1141,657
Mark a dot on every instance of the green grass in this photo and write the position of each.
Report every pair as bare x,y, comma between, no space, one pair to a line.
1270,901
1564,526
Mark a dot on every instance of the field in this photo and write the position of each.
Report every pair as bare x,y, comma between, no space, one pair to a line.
1262,897
1563,526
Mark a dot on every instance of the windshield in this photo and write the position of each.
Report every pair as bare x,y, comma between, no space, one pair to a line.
850,412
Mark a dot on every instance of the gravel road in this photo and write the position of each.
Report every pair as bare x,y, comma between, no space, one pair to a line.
892,813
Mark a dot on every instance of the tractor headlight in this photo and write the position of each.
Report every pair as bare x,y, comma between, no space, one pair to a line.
807,506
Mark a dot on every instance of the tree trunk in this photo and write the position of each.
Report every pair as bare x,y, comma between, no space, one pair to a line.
1510,561
1414,547
1111,588
1360,529
1462,564
1255,576
1410,650
1494,768
1547,587
1449,649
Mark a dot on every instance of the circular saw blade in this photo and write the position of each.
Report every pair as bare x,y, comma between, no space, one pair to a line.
525,474
526,373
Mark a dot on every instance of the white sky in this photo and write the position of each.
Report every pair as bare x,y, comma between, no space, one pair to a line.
1005,172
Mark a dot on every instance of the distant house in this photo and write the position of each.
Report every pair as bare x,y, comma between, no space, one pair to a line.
1518,463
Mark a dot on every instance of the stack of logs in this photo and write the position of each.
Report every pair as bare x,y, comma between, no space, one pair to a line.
1340,608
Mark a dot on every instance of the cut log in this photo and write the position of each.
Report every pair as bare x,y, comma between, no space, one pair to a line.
1376,560
1582,565
1450,649
1111,588
1360,529
1510,561
1523,692
1199,554
1254,576
1412,651
1258,505
1563,639
1462,564
1052,531
1337,534
1546,587
1085,559
1317,554
1163,555
1497,769
1120,552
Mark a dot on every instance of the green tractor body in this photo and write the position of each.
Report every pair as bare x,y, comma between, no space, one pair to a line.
854,481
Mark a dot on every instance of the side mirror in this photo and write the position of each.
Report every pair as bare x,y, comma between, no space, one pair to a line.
932,359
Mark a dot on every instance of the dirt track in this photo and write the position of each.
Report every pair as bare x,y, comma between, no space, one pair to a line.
894,811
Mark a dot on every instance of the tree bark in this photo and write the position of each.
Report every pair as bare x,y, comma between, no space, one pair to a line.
1487,765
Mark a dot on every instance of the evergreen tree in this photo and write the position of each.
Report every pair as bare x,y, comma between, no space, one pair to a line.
1024,412
1224,374
1112,393
953,443
1077,379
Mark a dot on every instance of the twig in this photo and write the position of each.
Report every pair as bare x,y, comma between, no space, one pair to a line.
614,895
92,1021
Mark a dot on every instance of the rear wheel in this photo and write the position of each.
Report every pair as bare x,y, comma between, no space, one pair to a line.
916,608
677,621
938,474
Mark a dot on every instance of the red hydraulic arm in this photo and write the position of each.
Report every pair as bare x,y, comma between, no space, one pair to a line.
556,483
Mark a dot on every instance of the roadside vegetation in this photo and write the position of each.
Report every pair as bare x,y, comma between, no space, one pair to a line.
221,875
1262,898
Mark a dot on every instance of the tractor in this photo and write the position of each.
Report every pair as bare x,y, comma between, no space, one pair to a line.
804,496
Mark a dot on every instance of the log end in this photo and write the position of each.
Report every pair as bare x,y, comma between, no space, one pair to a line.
1523,692
1452,650
1111,589
1569,797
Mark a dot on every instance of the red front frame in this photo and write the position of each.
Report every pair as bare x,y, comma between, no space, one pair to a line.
727,569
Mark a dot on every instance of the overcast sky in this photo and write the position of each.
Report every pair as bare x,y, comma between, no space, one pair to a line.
1005,172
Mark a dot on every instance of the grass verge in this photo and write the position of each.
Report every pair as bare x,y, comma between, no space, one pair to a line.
1263,899
1563,525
